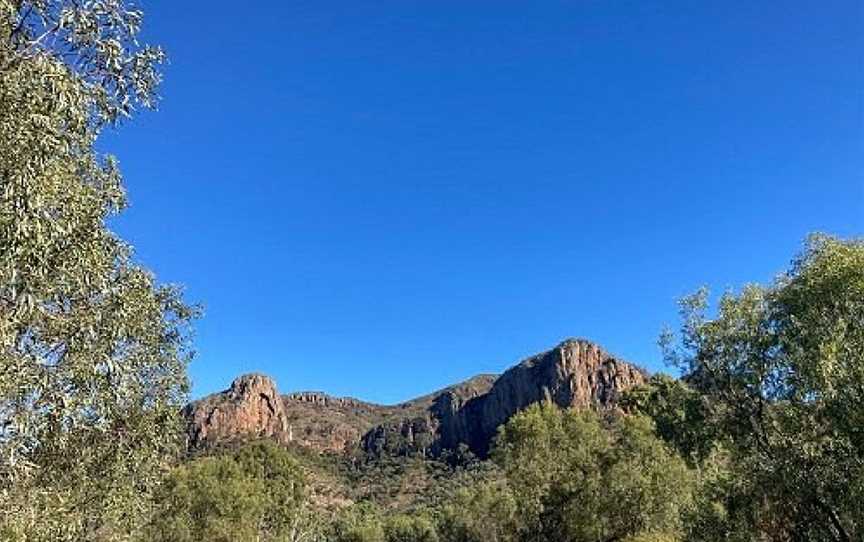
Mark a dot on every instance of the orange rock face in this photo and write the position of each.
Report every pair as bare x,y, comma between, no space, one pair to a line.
250,408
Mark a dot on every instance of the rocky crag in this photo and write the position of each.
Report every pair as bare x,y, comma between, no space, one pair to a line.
576,373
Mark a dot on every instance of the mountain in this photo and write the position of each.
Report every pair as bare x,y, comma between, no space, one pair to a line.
576,373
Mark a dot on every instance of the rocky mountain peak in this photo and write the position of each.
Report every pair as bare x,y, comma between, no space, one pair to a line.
251,407
250,384
576,373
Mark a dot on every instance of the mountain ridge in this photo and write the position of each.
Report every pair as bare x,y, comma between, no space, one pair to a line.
575,373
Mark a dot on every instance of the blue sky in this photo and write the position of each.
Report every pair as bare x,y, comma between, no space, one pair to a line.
378,199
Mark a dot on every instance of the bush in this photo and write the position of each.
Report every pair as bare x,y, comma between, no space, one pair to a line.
252,494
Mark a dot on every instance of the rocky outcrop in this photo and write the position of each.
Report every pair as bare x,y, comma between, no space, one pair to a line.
414,436
459,421
432,421
251,407
576,373
322,399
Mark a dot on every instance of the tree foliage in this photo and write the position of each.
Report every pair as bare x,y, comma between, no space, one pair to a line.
680,415
578,477
255,493
782,371
92,351
484,513
362,522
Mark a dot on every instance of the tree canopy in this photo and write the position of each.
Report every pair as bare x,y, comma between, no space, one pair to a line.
254,493
579,477
780,370
93,351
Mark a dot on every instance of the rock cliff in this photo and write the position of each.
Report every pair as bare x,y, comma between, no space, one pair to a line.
251,407
576,373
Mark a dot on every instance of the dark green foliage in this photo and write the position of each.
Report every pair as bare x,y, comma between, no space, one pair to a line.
366,522
254,493
360,523
407,483
484,513
679,412
578,477
410,528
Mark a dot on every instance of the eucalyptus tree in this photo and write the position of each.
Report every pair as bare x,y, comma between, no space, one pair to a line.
93,351
256,493
576,476
485,512
782,371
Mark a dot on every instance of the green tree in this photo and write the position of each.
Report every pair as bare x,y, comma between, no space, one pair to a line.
282,486
364,522
256,493
680,414
484,513
209,499
578,477
781,368
361,522
92,351
410,528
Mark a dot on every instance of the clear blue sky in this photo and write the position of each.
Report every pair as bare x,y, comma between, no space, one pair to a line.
381,198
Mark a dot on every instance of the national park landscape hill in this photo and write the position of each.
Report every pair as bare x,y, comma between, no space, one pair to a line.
575,373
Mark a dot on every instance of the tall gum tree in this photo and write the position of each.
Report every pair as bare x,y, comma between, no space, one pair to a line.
93,352
782,370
